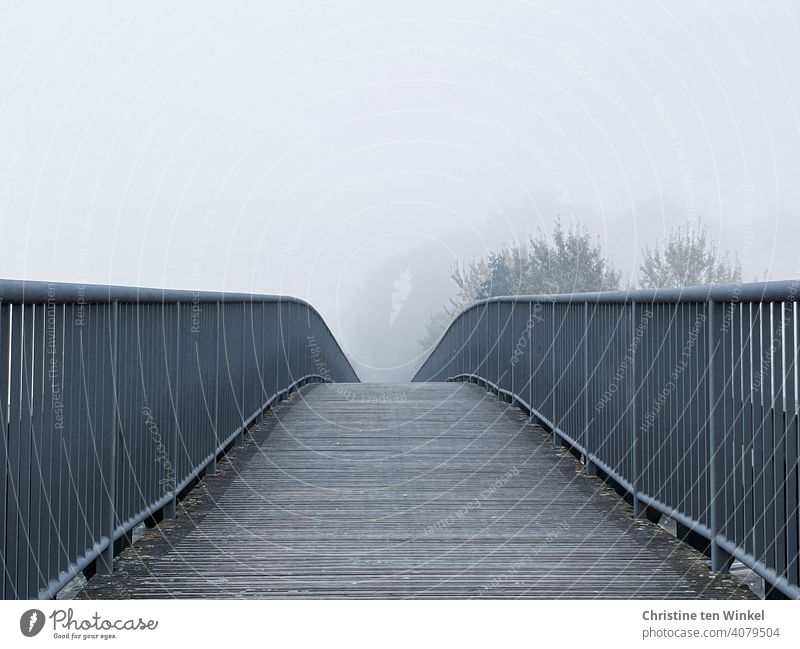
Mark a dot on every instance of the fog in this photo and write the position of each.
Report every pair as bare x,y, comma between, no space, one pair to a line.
347,153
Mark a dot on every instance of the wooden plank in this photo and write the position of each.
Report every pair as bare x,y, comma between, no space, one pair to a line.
426,490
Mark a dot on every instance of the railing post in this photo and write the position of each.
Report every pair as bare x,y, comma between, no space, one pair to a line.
530,360
211,469
553,338
590,466
239,441
639,509
720,559
105,562
170,510
496,377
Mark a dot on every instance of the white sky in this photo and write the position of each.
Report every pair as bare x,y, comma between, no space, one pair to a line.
321,149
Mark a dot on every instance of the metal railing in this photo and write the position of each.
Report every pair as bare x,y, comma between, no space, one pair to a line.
114,400
687,399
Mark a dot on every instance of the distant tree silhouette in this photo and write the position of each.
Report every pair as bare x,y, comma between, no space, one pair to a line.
434,329
687,258
469,278
498,279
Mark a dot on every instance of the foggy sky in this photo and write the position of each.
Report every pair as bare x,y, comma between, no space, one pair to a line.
328,149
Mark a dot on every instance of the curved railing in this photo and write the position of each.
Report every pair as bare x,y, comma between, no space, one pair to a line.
687,399
114,400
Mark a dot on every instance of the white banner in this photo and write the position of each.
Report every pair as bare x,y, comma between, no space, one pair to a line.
380,624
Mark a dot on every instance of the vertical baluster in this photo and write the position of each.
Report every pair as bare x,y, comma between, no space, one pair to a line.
175,445
588,379
792,427
632,381
727,423
720,559
784,374
768,439
738,342
105,563
5,589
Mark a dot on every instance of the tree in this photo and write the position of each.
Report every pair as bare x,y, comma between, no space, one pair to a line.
572,262
498,280
434,329
569,262
688,258
519,266
469,278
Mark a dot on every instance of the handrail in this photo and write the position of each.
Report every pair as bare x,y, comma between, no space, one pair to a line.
775,291
686,398
115,399
28,292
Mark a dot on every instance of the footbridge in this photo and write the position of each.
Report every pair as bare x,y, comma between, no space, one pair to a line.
184,444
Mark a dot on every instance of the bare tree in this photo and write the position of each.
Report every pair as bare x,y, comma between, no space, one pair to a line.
436,326
688,258
468,277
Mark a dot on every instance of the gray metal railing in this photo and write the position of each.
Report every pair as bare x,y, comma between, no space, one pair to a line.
114,400
687,399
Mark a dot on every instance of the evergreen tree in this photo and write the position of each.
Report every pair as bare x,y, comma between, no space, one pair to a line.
498,280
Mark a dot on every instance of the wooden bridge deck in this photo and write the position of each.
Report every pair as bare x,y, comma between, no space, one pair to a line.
422,490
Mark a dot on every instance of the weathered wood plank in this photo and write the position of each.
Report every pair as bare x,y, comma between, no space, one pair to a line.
422,490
